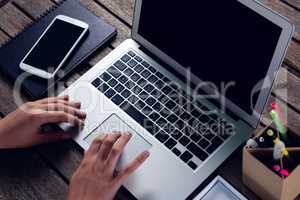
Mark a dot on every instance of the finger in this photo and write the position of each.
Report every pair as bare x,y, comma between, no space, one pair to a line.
96,144
74,104
123,174
117,150
59,117
53,99
64,108
107,145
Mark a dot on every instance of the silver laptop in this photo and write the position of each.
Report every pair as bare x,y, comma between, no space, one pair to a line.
190,84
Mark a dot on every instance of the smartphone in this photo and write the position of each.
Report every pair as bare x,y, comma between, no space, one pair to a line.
54,46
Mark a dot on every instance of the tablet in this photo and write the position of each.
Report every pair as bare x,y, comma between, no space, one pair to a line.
219,189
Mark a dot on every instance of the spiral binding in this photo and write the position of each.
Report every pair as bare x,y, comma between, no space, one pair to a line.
44,14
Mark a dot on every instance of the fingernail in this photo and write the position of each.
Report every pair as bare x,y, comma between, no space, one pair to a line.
129,134
77,104
146,154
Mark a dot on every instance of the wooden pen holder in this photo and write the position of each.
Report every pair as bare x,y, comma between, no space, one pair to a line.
259,176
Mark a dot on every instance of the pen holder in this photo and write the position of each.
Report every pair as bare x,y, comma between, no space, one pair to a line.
259,176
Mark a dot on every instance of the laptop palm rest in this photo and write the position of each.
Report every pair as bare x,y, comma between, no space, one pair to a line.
135,146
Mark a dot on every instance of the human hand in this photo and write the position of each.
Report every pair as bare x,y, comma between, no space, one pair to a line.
96,178
22,128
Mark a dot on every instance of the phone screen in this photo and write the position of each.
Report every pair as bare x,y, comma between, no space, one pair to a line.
54,45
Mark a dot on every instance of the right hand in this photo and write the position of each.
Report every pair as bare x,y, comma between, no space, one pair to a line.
96,177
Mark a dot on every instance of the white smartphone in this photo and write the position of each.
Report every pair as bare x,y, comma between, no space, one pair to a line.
54,46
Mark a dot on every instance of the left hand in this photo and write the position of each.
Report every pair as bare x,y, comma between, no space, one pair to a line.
22,128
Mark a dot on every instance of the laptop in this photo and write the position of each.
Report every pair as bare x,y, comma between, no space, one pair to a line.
190,85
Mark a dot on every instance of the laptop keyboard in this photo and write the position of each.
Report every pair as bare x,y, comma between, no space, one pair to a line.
184,126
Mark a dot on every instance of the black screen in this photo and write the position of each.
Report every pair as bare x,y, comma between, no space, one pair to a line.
221,41
54,46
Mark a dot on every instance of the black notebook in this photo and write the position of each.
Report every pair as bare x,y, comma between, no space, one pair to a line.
12,53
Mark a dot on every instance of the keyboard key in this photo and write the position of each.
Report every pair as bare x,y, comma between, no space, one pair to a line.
184,140
137,90
146,73
161,122
176,134
126,93
142,82
110,93
166,80
217,141
139,68
165,112
203,119
180,124
133,99
196,137
130,84
170,143
134,113
208,134
112,82
125,58
152,69
96,82
131,53
105,76
132,63
185,116
156,93
147,110
158,106
159,84
162,136
172,118
170,104
169,128
123,79
151,127
202,155
150,101
192,165
203,143
186,156
140,105
196,113
119,88
135,77
143,95
187,130
154,116
145,64
137,58
166,90
163,98
128,72
117,99
114,72
149,88
152,79
103,87
159,75
120,65
176,151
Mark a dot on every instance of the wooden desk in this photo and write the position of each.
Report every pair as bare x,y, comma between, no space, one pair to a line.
44,172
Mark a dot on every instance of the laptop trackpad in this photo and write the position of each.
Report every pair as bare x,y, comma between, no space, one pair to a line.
135,146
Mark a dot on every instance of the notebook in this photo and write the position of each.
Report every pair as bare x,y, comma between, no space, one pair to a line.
12,53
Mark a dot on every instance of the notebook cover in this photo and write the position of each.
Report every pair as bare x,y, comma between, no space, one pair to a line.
12,53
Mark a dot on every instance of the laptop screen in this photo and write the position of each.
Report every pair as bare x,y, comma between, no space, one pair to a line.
223,42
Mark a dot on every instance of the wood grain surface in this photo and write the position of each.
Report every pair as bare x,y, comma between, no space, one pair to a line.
57,162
